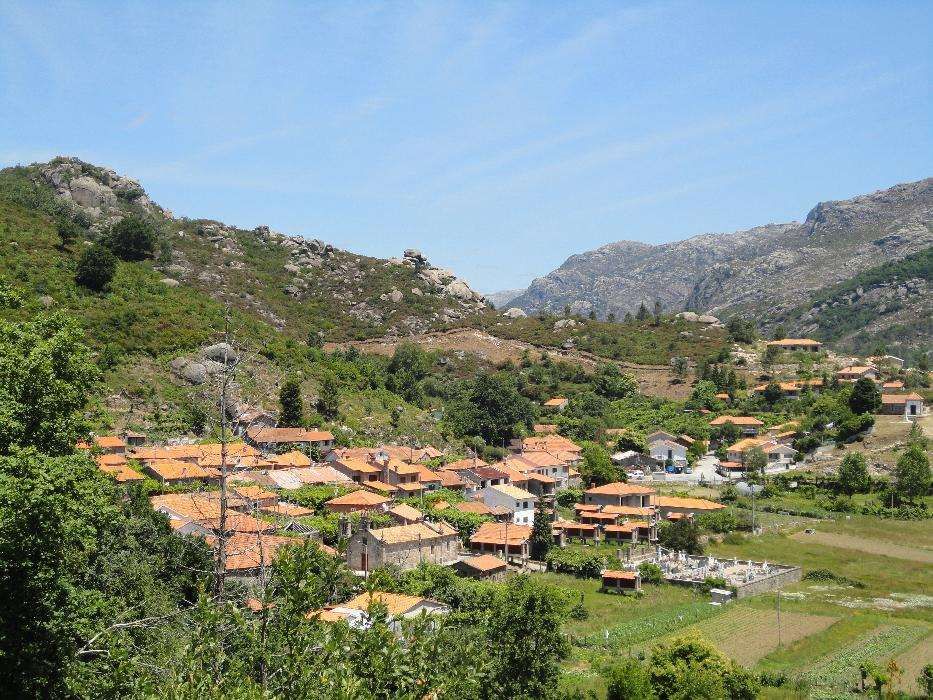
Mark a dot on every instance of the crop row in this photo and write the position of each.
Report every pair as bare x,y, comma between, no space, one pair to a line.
649,628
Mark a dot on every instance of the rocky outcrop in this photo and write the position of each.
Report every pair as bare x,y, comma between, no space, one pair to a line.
764,271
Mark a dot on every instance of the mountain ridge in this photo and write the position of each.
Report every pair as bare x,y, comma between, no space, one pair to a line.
766,271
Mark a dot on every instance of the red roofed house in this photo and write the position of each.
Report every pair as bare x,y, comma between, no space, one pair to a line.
481,566
748,425
619,494
907,405
270,439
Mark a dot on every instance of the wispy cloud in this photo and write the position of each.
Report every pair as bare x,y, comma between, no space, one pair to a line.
138,120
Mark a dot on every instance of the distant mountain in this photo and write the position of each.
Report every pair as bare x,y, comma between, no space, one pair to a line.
501,300
768,272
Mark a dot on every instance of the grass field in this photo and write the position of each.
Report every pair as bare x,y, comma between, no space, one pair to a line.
827,628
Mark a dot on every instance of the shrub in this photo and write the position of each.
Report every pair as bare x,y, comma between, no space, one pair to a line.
132,238
581,564
827,576
96,268
651,573
718,521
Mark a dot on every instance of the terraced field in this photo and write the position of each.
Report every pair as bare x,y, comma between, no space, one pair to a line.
870,546
747,634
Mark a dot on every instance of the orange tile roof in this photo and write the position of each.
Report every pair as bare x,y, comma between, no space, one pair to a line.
414,533
244,552
380,486
253,493
736,420
794,341
900,398
495,533
544,428
484,562
467,463
406,512
427,476
174,470
285,509
627,510
357,465
556,401
291,459
358,498
122,472
415,487
396,603
618,488
109,441
449,479
549,443
747,444
619,575
688,503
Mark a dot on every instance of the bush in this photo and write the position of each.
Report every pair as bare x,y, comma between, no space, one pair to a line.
718,521
580,564
567,497
96,268
132,238
827,576
651,573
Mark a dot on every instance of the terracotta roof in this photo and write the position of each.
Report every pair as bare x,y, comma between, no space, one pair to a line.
323,474
513,492
380,486
357,465
618,488
900,398
358,498
109,441
556,401
253,493
544,428
291,459
549,443
688,503
467,463
619,575
627,526
747,444
426,475
736,420
396,603
414,533
174,470
271,435
541,478
893,385
120,471
245,552
449,479
540,458
406,512
627,510
855,369
495,533
580,507
473,507
514,475
288,510
599,515
412,487
488,473
484,562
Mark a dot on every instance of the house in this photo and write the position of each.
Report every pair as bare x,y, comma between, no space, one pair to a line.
397,606
116,466
557,403
174,471
893,385
631,531
247,555
273,439
855,372
519,502
306,476
796,345
246,418
357,470
668,452
908,405
779,454
105,444
746,424
630,459
619,581
449,479
405,514
255,496
405,546
481,566
794,389
479,478
357,502
134,439
499,537
199,513
737,452
668,505
619,494
290,460
557,445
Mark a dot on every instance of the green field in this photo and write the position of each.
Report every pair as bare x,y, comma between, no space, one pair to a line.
827,628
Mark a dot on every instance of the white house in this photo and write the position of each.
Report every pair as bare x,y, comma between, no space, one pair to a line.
664,451
779,454
521,503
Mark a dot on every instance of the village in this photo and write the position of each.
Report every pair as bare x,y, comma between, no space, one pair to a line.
402,506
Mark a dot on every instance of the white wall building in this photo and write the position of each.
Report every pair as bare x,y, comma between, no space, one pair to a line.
664,450
520,502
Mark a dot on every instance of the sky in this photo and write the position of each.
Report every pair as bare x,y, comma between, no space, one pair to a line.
497,138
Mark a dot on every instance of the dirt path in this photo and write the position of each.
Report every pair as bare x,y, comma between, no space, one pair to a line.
831,539
653,380
912,662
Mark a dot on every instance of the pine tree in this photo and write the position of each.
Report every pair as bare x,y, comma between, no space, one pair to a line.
292,407
542,537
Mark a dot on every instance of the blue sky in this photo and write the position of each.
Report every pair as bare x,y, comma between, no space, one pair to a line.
498,138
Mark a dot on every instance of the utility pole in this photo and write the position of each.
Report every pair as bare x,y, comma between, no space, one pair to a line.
220,560
779,617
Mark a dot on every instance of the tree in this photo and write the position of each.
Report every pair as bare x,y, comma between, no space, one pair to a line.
597,468
756,461
741,330
865,397
68,231
779,333
491,408
610,382
96,268
703,396
291,413
542,537
525,628
132,238
853,474
773,393
328,401
611,317
642,314
690,667
681,536
46,376
912,473
628,680
680,365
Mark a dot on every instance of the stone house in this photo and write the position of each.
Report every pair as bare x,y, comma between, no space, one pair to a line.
405,546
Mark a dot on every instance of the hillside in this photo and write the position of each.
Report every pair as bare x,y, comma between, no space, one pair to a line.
768,271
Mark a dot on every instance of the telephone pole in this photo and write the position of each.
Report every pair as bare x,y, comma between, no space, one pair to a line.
220,559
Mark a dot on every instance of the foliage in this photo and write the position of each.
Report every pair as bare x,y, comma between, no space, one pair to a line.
68,231
853,474
576,562
680,536
46,375
628,679
132,238
315,497
865,397
597,467
912,473
704,396
651,573
610,382
491,408
690,667
291,414
567,497
718,521
827,576
542,536
96,268
741,330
